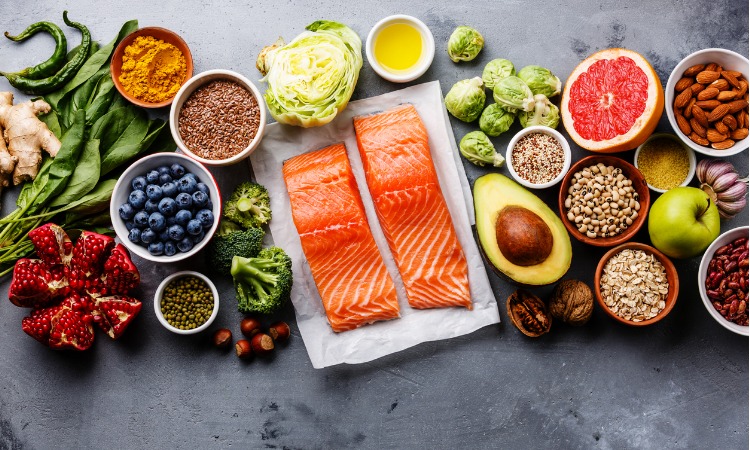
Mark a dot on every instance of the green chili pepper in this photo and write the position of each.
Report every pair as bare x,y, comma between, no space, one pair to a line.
55,62
53,82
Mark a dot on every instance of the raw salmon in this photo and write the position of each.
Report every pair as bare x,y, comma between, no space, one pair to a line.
411,208
330,218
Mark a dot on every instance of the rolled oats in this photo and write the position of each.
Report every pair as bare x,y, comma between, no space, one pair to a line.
634,285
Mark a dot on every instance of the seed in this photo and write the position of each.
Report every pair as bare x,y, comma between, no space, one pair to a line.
538,158
195,295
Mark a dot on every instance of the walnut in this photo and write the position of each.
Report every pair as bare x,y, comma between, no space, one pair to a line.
572,302
528,313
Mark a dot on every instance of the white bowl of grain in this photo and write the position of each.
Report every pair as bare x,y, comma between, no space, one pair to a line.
218,117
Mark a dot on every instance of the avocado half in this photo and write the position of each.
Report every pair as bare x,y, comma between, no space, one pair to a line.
493,193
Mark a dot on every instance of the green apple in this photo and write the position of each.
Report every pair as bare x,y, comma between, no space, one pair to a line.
683,222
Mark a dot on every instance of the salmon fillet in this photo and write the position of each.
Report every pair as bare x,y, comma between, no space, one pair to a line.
411,208
346,264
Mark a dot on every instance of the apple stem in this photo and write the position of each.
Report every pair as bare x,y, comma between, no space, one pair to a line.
710,191
708,205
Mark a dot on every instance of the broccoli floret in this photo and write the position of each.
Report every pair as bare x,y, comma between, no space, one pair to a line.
230,242
263,283
226,227
249,205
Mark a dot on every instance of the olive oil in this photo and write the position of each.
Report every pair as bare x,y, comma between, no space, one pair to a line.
398,47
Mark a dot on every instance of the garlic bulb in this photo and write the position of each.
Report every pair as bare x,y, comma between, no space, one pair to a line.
721,182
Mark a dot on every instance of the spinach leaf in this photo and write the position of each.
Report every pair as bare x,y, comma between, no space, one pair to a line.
81,96
84,178
95,201
163,141
132,146
111,125
52,120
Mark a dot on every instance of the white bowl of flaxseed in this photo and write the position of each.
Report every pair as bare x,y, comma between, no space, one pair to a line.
218,117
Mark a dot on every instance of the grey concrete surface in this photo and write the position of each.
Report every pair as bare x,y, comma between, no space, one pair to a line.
682,383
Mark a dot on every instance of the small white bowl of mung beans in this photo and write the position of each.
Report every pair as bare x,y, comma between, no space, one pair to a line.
186,302
538,157
218,117
665,162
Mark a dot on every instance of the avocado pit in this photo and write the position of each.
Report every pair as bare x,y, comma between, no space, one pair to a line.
523,237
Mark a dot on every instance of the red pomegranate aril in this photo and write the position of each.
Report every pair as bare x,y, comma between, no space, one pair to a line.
52,244
120,274
35,284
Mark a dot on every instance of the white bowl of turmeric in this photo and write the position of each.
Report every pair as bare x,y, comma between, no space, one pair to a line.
665,162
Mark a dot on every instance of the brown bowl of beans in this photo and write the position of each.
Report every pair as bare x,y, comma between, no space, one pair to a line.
603,200
636,284
218,117
723,280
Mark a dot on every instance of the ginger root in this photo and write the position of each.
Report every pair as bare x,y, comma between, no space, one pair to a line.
26,136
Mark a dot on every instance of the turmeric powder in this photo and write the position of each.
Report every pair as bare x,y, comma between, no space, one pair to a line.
152,70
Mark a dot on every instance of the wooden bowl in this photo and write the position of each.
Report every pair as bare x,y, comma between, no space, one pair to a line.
672,278
639,184
115,66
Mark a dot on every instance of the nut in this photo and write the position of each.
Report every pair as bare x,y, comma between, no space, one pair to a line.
707,77
697,127
725,96
262,344
243,349
683,84
721,127
683,124
700,116
279,331
739,134
715,136
708,94
698,140
736,106
692,71
730,122
708,104
222,338
528,313
250,326
718,113
697,87
689,108
682,100
721,85
572,302
731,77
723,145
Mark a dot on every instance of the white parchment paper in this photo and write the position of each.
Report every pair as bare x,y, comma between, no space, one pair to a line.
369,342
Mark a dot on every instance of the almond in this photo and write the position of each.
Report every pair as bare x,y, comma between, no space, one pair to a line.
708,104
736,106
692,71
698,140
708,93
725,96
740,116
697,128
683,124
697,87
730,122
739,134
711,67
743,88
723,145
721,85
718,68
700,116
720,127
714,136
682,100
730,78
683,84
707,77
718,113
735,73
689,108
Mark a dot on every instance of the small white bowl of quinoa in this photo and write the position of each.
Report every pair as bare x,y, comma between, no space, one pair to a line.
218,117
665,162
538,157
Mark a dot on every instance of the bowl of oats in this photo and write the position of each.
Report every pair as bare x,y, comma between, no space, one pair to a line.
636,284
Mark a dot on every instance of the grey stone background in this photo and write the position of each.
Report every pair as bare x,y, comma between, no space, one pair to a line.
682,383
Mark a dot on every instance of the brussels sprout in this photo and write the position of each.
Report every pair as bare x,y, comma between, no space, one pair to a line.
464,44
478,149
496,70
545,113
513,94
540,80
495,120
466,99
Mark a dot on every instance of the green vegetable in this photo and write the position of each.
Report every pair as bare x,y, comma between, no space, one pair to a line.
55,81
513,94
496,70
540,80
477,148
312,78
249,205
466,99
464,44
544,113
231,241
263,284
51,65
495,120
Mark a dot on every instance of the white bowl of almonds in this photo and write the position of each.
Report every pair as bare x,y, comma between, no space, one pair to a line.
706,101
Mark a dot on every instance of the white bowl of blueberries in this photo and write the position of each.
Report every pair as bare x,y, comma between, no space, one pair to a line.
165,207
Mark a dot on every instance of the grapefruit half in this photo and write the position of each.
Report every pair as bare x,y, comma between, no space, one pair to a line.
612,101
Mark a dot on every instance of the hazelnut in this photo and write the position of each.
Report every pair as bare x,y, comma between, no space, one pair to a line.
572,302
222,338
250,326
279,331
261,344
243,349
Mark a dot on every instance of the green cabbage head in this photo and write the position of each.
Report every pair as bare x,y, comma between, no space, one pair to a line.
464,44
513,94
496,70
312,78
540,80
545,113
478,149
495,120
466,99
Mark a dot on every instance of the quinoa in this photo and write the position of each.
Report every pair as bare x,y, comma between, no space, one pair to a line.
538,158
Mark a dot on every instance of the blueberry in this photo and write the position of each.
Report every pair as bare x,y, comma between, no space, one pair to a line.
176,232
203,187
164,236
152,177
126,211
171,221
187,184
129,225
209,205
169,189
184,201
168,206
139,183
183,216
164,178
140,219
137,199
200,199
199,237
153,192
135,235
176,170
170,248
151,206
148,236
194,227
163,170
206,218
156,248
192,175
157,221
185,245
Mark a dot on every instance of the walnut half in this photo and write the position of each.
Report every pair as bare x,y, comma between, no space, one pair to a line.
528,313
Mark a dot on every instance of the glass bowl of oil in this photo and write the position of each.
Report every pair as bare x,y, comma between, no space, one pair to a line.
400,48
